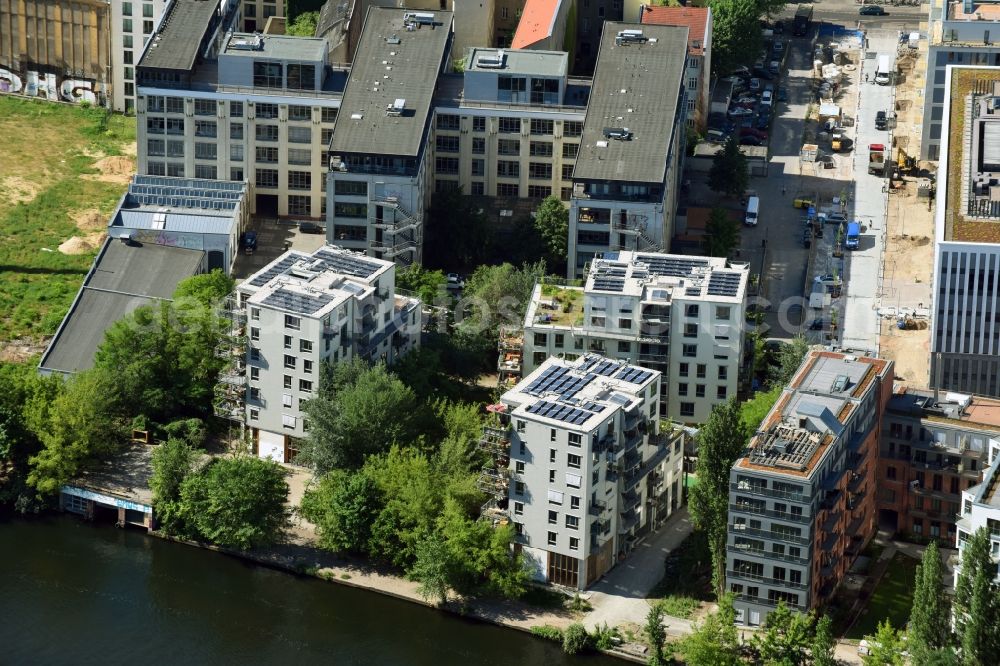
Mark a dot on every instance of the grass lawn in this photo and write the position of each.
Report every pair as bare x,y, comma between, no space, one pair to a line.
47,180
687,582
891,599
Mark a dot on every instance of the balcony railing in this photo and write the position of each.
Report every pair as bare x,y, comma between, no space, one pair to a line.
756,552
782,515
769,602
597,507
752,489
769,534
765,580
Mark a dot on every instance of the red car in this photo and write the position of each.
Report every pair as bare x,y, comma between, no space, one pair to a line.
750,131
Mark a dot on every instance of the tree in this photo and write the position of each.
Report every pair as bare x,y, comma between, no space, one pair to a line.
369,411
656,634
236,502
426,284
720,442
930,618
729,173
786,637
789,358
575,639
304,25
552,222
501,295
458,231
172,462
714,642
25,401
735,33
207,288
432,569
886,647
722,233
976,603
344,506
823,643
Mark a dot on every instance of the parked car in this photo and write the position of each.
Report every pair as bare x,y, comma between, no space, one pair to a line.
742,71
250,241
835,218
755,84
779,48
750,131
871,10
746,99
817,325
763,121
807,237
881,121
782,94
740,111
762,73
455,281
767,98
774,67
716,136
311,228
751,140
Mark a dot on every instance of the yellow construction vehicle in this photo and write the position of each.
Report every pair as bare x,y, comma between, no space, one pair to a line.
904,163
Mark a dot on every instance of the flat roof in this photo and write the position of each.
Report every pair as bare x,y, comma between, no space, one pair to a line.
123,278
277,47
537,20
175,44
125,475
520,61
695,18
636,86
392,63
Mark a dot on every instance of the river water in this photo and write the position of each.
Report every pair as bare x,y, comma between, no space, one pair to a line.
76,593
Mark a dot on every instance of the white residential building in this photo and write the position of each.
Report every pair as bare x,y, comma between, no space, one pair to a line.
300,311
680,315
981,508
589,471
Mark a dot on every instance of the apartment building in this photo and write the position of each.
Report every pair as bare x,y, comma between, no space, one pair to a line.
543,25
225,105
965,338
981,508
680,315
295,313
509,126
592,18
582,467
932,449
380,165
802,498
627,172
959,33
256,12
134,22
698,75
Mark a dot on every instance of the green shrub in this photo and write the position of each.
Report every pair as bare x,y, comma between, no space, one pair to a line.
604,637
576,639
548,631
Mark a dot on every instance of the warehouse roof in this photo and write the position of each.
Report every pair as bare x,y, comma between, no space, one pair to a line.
175,44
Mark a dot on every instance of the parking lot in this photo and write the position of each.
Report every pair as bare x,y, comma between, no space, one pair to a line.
273,239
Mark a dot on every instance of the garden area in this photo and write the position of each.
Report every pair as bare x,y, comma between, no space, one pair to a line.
891,599
687,578
64,169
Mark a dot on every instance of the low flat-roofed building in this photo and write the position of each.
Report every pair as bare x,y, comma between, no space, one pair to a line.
802,499
124,277
626,177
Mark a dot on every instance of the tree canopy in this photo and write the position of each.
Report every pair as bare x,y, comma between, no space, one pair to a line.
736,33
304,25
428,285
730,173
929,628
207,288
977,602
552,222
459,236
886,647
714,641
722,233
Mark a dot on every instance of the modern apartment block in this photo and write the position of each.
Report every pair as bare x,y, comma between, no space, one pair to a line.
965,339
295,313
134,23
680,315
219,104
698,77
582,466
959,33
509,126
380,163
981,508
802,499
626,177
932,450
256,12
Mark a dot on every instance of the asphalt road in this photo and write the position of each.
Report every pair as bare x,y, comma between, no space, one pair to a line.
845,13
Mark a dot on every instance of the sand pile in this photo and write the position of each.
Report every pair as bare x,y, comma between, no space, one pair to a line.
90,220
78,245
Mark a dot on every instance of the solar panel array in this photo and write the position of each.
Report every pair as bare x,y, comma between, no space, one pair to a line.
346,264
610,278
274,270
560,412
558,379
293,301
633,375
723,284
660,264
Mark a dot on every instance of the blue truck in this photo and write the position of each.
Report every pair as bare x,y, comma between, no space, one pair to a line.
853,236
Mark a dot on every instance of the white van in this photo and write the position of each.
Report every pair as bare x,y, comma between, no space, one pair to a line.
883,71
753,208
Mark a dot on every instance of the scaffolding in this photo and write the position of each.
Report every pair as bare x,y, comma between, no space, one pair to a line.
494,479
231,386
510,362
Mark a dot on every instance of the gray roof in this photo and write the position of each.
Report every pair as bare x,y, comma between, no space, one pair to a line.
278,47
123,278
175,44
175,222
407,70
521,61
636,86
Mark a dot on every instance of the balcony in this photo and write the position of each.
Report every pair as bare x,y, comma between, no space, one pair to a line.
597,508
523,539
781,515
768,534
765,580
753,489
769,602
753,552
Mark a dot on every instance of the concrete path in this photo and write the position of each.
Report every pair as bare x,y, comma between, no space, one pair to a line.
620,596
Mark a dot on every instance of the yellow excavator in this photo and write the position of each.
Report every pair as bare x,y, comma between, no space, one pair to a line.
904,163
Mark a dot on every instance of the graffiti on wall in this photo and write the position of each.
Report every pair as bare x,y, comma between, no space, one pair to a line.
48,86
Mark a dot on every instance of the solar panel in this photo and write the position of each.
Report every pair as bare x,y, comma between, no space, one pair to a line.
662,264
605,368
559,412
724,284
274,270
346,264
609,284
633,375
299,303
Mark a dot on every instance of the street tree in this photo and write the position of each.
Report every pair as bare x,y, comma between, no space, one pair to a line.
929,628
714,642
656,634
720,442
976,602
885,648
552,222
722,233
788,358
823,643
729,173
786,637
735,33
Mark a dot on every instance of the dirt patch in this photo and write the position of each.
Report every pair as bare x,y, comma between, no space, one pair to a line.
115,169
22,349
89,220
18,190
78,245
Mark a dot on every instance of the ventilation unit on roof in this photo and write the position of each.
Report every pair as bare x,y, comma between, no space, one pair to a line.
396,108
492,62
392,39
419,18
618,133
629,37
246,42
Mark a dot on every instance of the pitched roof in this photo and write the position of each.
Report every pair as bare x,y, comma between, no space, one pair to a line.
536,22
695,18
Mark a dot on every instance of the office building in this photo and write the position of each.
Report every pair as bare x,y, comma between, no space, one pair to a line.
380,163
581,466
626,177
296,313
698,76
802,500
958,34
225,105
134,22
680,315
932,449
965,338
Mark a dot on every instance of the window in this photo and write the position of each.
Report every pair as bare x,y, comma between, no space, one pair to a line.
126,9
552,455
235,152
510,125
267,178
287,381
204,150
355,210
540,126
552,476
254,354
518,508
254,333
446,165
154,125
555,497
477,188
206,171
127,27
573,461
300,135
519,467
720,392
254,413
299,112
478,146
307,366
572,128
539,191
329,114
478,124
553,517
539,170
175,126
305,386
299,156
691,310
288,421
479,168
722,312
127,41
236,109
690,351
687,409
266,132
508,168
540,149
551,535
574,502
447,144
299,180
268,75
723,372
573,480
290,361
147,27
350,188
508,190
682,389
267,111
300,77
508,147
156,147
288,342
624,347
204,107
682,370
567,172
572,522
701,370
156,168
448,122
292,322
690,330
305,346
175,105
570,150
574,543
